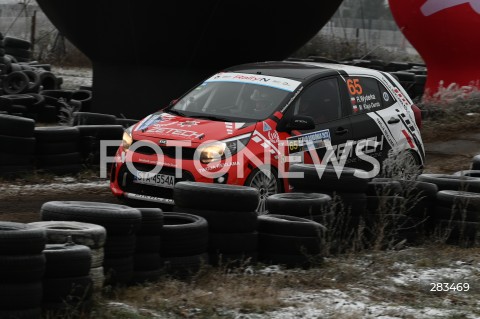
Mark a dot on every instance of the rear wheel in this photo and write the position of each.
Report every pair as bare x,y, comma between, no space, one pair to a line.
267,183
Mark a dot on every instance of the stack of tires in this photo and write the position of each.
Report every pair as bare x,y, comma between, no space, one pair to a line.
452,182
22,267
290,241
67,286
90,235
57,149
18,48
91,137
230,213
18,145
120,222
184,243
313,206
349,200
147,262
458,217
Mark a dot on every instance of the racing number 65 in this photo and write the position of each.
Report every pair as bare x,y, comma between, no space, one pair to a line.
354,87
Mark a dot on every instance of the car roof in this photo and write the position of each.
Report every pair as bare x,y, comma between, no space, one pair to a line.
299,70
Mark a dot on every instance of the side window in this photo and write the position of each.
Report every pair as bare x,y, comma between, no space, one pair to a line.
387,99
321,100
364,94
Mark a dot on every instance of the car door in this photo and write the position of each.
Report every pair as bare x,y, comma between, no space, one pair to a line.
323,101
376,126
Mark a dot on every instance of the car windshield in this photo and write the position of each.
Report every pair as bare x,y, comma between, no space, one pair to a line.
236,97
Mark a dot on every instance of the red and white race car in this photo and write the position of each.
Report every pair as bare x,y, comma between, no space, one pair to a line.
245,125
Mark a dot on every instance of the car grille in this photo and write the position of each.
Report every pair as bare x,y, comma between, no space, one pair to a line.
125,180
169,151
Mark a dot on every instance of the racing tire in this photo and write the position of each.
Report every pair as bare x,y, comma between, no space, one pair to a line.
49,134
452,182
148,244
16,126
88,118
152,221
16,296
267,183
471,173
22,268
15,83
119,246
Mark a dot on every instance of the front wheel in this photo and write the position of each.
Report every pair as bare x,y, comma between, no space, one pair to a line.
267,183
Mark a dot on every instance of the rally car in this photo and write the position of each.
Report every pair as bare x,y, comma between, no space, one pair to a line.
247,124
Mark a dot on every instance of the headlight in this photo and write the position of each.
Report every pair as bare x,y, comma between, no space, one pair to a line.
218,150
127,139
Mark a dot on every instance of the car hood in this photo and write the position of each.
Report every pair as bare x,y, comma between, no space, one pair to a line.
172,127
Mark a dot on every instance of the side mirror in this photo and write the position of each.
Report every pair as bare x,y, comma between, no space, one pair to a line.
298,122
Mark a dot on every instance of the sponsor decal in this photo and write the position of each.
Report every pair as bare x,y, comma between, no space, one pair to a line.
271,81
409,138
217,166
386,97
266,127
316,139
155,119
189,123
273,137
229,127
354,104
175,132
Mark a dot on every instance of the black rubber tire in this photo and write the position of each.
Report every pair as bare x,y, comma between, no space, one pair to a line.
33,81
102,132
22,268
452,182
18,145
20,99
456,214
459,233
119,246
16,126
471,173
148,244
21,239
152,221
57,93
15,296
48,134
15,159
117,219
48,81
459,200
88,118
14,42
67,260
232,243
54,148
67,289
16,83
298,204
183,235
44,161
349,204
225,196
347,183
290,226
224,221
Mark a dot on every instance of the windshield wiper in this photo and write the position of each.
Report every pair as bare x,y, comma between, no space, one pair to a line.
177,113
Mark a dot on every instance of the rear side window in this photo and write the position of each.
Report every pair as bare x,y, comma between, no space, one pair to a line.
387,99
365,95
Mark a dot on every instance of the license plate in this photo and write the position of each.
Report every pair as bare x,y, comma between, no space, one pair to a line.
160,180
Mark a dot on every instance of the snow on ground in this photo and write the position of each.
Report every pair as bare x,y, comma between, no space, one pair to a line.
73,77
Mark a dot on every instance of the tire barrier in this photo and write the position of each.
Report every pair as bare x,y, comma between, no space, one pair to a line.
90,235
147,262
121,224
67,286
17,138
184,243
90,140
232,228
290,241
22,267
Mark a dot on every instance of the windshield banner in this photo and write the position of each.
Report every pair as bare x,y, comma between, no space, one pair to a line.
272,81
